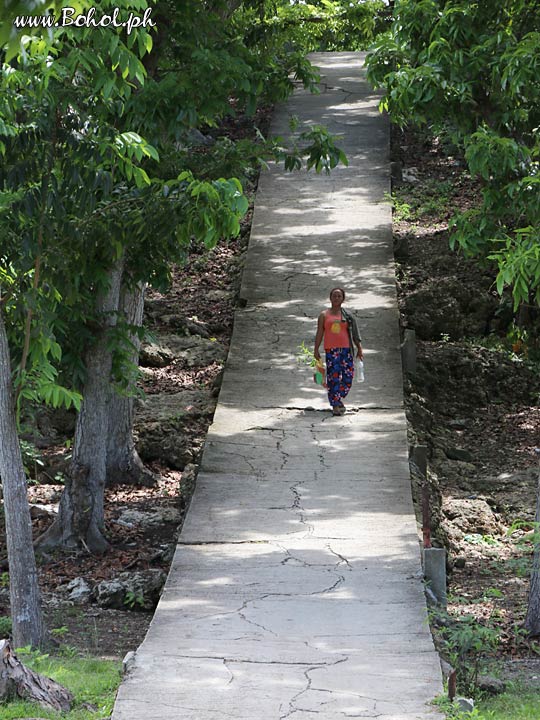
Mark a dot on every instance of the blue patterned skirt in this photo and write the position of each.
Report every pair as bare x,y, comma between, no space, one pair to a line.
339,374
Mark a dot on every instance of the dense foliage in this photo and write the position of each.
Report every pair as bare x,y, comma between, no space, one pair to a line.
319,25
469,71
65,161
98,161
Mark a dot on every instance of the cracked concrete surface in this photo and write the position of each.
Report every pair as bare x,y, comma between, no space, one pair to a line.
296,588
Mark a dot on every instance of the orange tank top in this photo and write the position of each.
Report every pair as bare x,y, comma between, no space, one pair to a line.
336,332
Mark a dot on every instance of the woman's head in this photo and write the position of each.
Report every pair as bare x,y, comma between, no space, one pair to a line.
337,295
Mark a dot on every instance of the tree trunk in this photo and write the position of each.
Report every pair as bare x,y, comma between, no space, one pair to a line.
123,462
80,521
532,621
26,617
18,681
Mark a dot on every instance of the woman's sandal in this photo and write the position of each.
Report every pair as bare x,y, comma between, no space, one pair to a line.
336,411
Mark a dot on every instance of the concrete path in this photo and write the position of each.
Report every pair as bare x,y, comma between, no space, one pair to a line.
296,591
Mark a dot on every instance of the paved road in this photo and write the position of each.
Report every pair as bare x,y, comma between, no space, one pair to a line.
295,591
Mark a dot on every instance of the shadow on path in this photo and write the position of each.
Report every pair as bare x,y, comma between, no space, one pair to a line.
296,589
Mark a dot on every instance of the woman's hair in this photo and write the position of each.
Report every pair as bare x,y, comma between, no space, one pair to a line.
341,290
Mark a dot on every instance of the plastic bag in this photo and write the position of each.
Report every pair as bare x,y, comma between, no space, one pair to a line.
319,374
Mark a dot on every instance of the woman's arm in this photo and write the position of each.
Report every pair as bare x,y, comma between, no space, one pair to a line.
319,336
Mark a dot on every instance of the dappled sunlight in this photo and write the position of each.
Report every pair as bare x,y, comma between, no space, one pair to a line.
297,577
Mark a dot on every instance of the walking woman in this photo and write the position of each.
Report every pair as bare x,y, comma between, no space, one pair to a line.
340,333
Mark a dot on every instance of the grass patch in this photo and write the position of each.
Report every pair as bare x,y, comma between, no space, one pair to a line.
516,703
92,681
430,198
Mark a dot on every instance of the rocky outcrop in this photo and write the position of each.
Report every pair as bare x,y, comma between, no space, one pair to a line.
149,520
467,516
162,422
190,351
473,377
131,591
80,592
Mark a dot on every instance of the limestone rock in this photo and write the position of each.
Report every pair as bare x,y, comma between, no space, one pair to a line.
418,413
131,591
173,408
410,175
471,516
155,355
195,351
160,421
130,518
434,314
148,585
448,306
111,593
80,591
166,445
472,376
465,704
491,685
173,320
456,472
196,327
149,520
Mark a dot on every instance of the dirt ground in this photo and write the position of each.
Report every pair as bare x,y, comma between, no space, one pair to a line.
473,401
